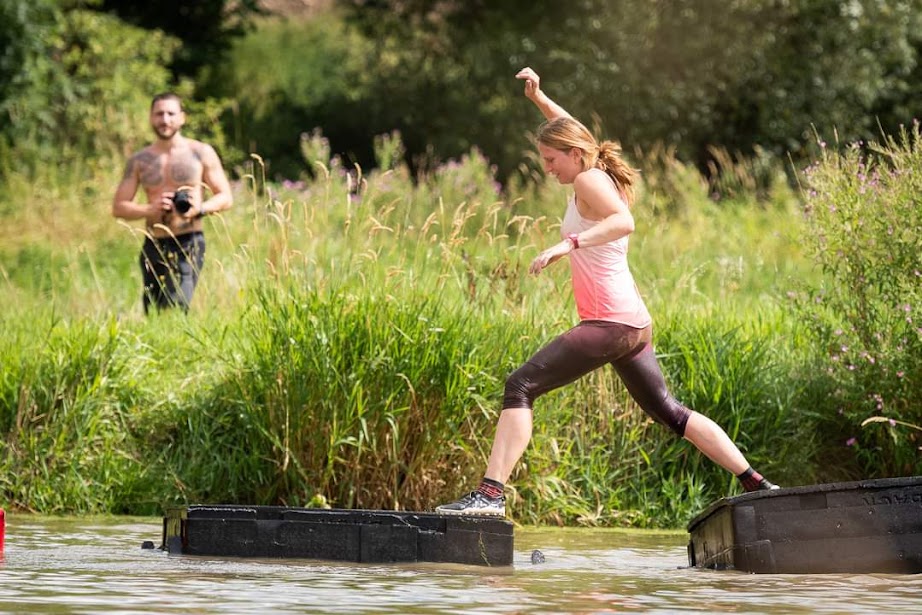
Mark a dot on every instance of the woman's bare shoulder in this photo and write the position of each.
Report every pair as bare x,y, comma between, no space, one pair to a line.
596,189
593,179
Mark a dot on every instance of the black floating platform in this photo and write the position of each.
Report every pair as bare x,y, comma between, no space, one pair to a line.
373,536
856,527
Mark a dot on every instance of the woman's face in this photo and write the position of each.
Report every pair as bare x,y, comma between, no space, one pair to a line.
565,166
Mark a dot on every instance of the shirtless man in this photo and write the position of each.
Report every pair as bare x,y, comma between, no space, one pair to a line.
174,250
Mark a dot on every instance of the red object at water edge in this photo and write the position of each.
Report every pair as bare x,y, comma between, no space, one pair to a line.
2,528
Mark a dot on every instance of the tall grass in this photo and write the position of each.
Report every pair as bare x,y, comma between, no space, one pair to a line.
350,337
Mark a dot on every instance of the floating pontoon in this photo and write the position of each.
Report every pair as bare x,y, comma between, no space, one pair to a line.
372,536
856,527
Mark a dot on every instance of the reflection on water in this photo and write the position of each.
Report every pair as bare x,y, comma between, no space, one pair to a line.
98,566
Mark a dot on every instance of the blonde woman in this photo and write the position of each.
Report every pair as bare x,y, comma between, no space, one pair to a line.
615,327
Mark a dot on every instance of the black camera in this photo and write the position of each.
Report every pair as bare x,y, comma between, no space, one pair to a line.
182,201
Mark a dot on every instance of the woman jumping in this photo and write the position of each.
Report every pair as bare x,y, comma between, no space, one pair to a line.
615,326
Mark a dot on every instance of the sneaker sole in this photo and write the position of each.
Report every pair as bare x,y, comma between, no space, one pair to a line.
473,512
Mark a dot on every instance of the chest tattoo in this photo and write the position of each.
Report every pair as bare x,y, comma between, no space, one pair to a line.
186,168
148,165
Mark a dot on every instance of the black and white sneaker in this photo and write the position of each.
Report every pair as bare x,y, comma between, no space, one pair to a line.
764,485
475,503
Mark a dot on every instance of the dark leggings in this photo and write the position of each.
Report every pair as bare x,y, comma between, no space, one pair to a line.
588,346
170,269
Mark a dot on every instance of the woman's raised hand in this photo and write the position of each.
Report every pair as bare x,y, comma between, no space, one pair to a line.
532,81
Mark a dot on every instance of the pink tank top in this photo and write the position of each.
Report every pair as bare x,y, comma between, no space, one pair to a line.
603,286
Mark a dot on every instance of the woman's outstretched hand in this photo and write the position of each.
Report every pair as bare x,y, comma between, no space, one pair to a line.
532,82
551,255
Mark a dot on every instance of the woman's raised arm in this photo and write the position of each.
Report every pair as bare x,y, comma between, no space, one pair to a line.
533,92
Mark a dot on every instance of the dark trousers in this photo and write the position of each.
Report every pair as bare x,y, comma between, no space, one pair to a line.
587,347
170,268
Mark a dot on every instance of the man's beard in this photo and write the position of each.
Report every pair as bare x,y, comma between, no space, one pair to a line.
165,134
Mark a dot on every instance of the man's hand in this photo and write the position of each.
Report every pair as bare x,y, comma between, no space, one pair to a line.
199,208
158,212
192,198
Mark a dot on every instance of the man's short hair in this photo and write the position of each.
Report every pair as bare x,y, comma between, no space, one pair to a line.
167,96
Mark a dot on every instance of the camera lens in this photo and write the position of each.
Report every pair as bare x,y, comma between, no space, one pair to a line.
182,201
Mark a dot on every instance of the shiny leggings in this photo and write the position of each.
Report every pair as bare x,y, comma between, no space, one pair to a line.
588,346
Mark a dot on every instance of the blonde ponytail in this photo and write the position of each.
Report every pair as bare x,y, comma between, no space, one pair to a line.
621,172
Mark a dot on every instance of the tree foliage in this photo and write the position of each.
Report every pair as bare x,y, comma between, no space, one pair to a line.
745,75
206,28
77,84
87,86
24,24
320,77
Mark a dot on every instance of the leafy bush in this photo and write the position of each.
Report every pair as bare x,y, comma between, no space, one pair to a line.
711,74
24,26
90,90
864,223
83,90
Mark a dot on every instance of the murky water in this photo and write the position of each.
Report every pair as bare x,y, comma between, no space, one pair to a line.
98,566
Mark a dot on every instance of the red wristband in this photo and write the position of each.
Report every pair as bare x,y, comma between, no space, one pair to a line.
574,239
